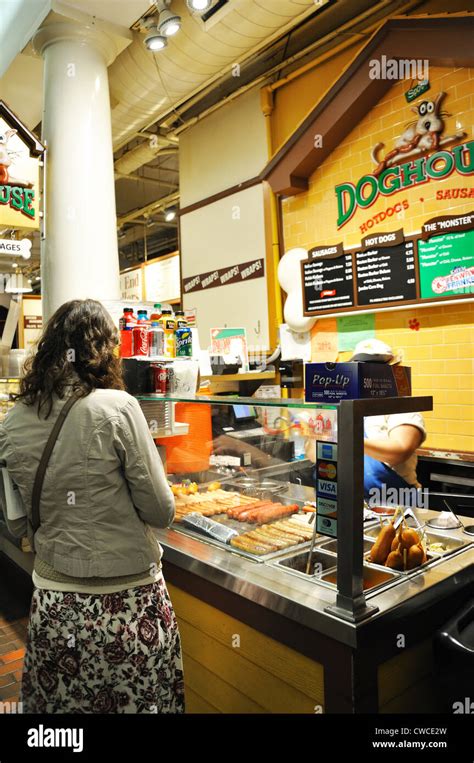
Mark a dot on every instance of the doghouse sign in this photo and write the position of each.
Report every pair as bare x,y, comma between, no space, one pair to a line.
20,152
419,156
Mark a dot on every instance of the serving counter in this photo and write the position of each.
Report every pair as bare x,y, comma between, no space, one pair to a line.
261,636
258,633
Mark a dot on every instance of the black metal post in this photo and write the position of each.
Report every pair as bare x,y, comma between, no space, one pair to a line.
350,602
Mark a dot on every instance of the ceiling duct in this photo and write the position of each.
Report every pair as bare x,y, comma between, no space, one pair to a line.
144,153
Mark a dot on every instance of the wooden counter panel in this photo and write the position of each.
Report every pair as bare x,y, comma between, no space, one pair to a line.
406,683
259,674
197,704
222,696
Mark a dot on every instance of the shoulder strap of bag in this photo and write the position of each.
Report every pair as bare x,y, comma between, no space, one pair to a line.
41,471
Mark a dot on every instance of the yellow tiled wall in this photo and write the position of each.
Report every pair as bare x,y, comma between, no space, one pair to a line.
441,356
311,217
441,351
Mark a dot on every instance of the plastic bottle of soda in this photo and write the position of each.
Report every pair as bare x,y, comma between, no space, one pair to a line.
181,322
126,323
156,314
168,323
126,319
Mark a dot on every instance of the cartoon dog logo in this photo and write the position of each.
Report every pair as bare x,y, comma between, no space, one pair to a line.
421,135
7,159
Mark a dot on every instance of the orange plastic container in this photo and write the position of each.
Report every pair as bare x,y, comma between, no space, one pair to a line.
189,453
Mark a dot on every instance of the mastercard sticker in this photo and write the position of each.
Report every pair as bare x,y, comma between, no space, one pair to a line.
327,470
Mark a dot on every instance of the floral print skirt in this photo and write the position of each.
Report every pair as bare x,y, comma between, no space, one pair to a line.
103,653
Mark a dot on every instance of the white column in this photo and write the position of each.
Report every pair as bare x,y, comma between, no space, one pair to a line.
79,257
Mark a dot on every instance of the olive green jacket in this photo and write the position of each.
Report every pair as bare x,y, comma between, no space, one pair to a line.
104,485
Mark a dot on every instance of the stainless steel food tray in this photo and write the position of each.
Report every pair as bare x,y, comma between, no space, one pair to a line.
240,552
393,576
452,544
243,527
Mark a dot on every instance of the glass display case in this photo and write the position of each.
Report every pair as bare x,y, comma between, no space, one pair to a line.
257,478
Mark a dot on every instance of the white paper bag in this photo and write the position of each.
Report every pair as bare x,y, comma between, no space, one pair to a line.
14,504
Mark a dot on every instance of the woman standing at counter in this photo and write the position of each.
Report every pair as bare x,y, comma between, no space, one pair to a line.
102,635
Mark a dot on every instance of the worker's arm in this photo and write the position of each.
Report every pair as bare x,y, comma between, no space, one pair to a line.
401,443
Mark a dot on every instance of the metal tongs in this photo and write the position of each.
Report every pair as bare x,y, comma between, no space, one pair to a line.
432,522
313,540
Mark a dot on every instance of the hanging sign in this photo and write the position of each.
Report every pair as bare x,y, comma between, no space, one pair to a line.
416,90
14,248
20,153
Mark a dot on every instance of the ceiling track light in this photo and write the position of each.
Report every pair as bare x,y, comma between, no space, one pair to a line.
169,23
200,6
155,41
170,214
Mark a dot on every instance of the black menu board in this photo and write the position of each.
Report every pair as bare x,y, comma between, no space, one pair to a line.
386,274
327,283
388,269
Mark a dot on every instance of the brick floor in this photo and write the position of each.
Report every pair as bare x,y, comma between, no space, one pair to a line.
15,597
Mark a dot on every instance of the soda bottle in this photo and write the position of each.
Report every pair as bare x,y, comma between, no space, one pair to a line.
156,314
168,323
181,322
127,320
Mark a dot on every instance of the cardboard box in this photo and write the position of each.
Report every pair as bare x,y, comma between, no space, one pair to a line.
333,382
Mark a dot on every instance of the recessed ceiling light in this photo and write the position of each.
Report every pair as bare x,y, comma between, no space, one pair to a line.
199,5
170,214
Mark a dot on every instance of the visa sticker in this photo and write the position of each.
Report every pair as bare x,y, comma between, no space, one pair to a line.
327,488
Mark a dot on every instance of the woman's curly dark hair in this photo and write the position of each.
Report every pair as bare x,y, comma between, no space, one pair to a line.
77,348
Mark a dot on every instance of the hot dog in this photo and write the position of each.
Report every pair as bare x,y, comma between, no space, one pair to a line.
274,532
249,513
252,546
262,537
265,514
235,511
